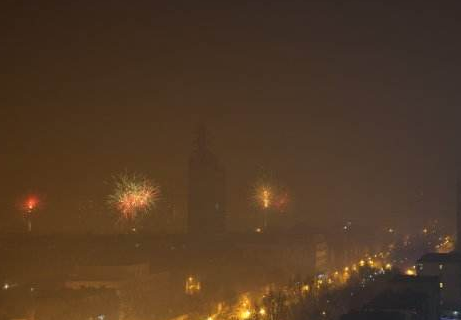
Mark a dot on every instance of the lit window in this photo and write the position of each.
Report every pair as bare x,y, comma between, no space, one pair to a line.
441,285
440,266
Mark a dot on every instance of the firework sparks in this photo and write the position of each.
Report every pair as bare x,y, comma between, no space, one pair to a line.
266,198
133,196
263,196
30,204
282,201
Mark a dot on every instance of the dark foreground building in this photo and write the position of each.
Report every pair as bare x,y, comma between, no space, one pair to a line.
207,208
401,298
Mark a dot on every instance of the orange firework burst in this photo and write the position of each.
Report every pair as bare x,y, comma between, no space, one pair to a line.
27,207
30,204
133,196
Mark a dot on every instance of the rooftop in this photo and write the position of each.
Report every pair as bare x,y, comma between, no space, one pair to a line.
413,279
441,257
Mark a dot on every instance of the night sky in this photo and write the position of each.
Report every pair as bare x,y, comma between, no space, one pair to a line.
353,105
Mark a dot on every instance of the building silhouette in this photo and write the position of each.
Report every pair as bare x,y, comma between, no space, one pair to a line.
446,267
206,207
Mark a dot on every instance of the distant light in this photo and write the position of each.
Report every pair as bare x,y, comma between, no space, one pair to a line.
262,311
410,272
258,230
6,286
31,203
266,198
245,314
391,230
193,286
441,285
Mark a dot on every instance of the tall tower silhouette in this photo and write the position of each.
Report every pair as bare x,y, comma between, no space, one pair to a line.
206,207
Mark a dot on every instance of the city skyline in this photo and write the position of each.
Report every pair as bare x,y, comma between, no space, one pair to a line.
230,160
354,123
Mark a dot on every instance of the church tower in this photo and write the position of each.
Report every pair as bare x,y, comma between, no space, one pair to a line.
206,206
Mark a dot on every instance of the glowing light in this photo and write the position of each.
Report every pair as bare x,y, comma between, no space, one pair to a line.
266,195
305,288
388,266
258,230
446,245
133,195
361,263
30,204
193,286
245,314
263,195
28,207
262,311
410,272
